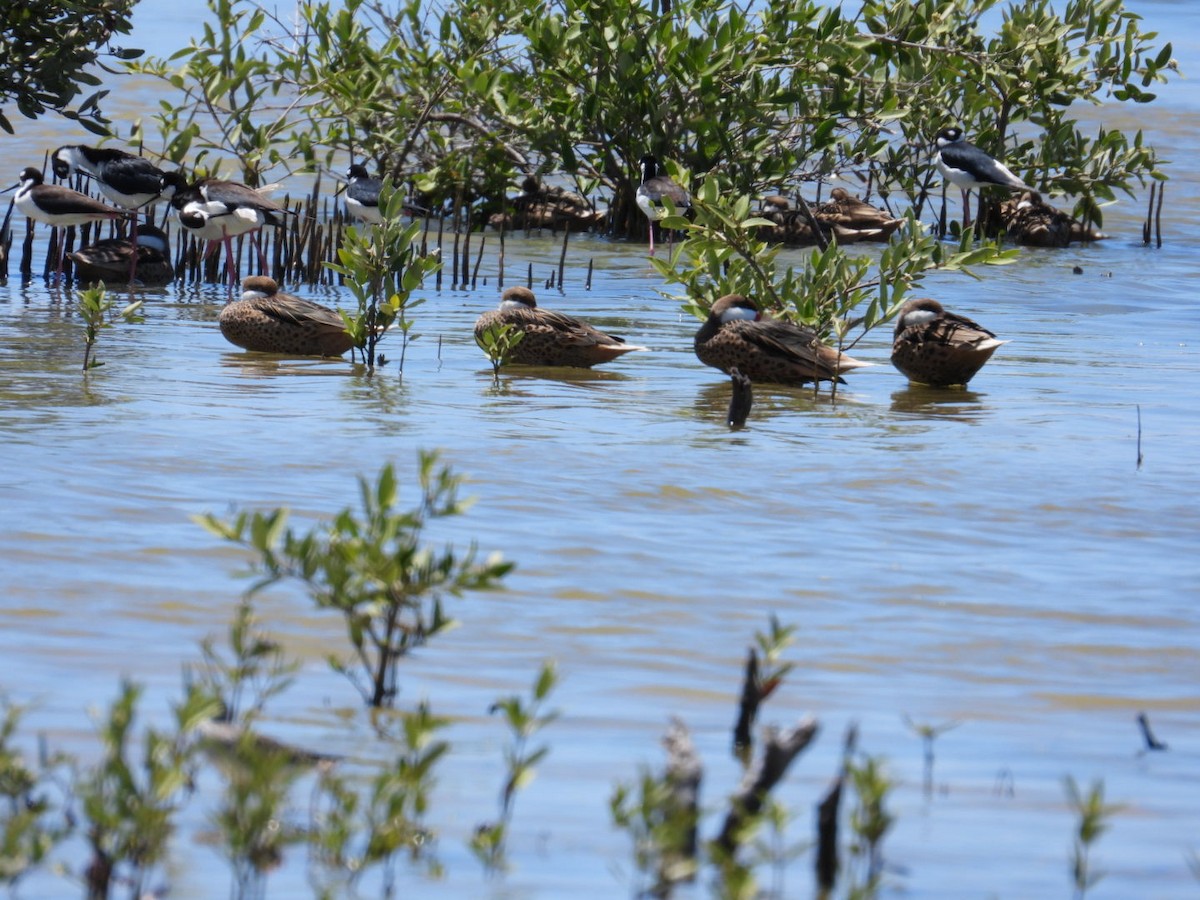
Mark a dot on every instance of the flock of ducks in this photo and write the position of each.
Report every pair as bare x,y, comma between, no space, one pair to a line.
930,345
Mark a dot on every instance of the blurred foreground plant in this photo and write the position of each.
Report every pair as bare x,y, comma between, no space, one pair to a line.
524,721
349,837
372,568
130,804
1094,817
34,803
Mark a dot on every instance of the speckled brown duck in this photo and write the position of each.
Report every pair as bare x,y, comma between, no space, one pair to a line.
846,212
843,216
550,338
939,348
110,260
765,350
1031,221
548,206
269,321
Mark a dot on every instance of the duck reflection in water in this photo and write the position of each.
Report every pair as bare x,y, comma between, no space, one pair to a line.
923,400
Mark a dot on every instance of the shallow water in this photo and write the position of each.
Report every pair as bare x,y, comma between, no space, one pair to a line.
993,558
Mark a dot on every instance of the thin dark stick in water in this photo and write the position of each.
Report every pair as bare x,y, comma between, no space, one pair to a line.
588,284
478,260
27,251
1162,190
818,234
1152,743
1149,214
1139,435
562,257
466,251
500,277
529,277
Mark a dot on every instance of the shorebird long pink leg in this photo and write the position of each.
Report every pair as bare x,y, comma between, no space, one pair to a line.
262,257
966,199
133,235
229,264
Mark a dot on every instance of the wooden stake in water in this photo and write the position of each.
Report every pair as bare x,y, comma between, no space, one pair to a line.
500,278
478,260
1139,436
562,257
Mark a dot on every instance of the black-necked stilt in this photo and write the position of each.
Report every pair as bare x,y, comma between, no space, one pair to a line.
964,164
130,181
216,210
57,205
108,260
654,190
362,195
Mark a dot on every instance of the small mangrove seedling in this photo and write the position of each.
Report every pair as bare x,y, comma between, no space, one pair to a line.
383,265
928,735
1093,819
498,342
523,721
372,567
95,307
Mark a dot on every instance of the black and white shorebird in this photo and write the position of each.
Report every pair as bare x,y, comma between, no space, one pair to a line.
362,195
56,205
655,190
131,182
218,211
964,164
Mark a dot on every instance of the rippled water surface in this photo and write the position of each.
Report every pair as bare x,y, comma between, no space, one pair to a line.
993,558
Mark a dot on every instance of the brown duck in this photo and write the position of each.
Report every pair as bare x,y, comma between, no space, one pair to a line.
110,260
272,322
939,348
765,350
550,338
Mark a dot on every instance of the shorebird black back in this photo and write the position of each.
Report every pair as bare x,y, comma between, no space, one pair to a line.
965,165
655,189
